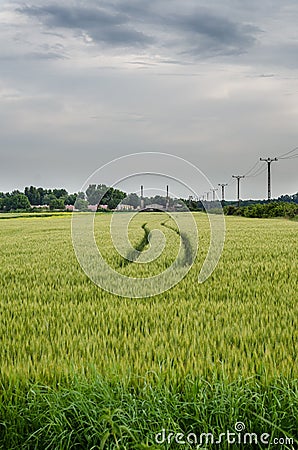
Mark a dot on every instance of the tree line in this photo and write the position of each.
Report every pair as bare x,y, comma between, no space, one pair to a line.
33,197
264,210
57,199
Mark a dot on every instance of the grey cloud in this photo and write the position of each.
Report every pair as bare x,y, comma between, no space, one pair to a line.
213,34
218,28
103,26
199,32
121,37
212,19
73,17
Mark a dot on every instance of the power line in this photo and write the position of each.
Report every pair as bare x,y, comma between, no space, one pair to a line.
253,172
257,172
253,167
287,153
290,157
231,181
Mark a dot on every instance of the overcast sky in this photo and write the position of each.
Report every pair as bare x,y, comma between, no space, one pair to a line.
83,82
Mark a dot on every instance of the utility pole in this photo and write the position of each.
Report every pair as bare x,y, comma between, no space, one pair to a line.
213,194
207,196
238,186
269,161
222,190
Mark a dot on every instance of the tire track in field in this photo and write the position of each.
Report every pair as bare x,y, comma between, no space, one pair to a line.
188,258
133,255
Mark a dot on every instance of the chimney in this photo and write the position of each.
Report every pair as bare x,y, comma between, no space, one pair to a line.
142,197
167,199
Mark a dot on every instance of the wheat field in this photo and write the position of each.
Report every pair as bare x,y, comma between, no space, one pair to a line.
242,321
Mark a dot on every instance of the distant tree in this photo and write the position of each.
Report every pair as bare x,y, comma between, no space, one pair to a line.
81,195
16,200
289,198
2,198
48,198
268,209
230,210
132,199
60,193
70,199
112,198
81,204
33,195
93,194
41,192
104,195
56,203
159,199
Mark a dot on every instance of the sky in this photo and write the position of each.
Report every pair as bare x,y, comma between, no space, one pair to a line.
84,82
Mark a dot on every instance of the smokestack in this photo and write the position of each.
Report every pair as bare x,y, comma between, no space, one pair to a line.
142,197
167,199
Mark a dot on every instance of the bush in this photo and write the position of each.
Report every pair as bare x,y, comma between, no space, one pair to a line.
264,210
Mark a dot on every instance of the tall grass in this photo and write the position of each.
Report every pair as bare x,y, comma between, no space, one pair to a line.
108,415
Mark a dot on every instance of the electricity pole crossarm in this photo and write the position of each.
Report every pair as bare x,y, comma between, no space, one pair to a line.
238,186
223,185
269,161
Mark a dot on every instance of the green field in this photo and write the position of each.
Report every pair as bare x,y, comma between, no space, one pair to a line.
199,355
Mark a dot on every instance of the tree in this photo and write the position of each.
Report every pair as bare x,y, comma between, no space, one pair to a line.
33,195
60,193
112,198
70,199
93,194
48,198
81,204
104,195
2,199
132,199
16,200
56,203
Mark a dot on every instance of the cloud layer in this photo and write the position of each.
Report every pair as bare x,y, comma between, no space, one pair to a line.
83,82
197,32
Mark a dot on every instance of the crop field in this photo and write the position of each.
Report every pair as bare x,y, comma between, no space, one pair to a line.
233,337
